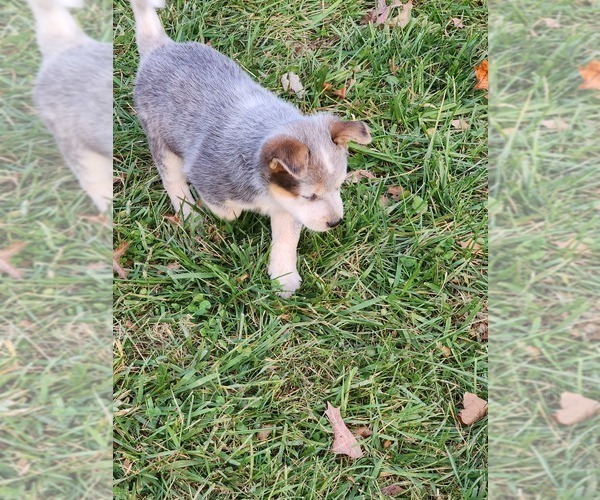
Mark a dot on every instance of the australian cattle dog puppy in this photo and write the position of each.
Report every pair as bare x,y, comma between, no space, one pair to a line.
241,147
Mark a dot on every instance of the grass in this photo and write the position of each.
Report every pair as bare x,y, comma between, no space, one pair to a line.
543,193
220,387
55,379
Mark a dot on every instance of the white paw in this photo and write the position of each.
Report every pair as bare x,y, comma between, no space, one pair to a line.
289,282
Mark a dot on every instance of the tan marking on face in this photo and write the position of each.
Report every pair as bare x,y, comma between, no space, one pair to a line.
278,190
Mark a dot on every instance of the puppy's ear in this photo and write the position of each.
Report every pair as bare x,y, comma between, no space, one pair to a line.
343,132
286,154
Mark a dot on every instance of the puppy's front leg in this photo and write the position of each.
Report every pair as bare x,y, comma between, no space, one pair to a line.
282,263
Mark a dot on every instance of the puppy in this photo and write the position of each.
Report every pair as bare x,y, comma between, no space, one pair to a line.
73,96
242,148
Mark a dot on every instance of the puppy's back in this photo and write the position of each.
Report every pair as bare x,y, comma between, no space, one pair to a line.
185,91
73,95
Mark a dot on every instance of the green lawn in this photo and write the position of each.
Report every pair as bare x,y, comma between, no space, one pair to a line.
55,377
544,266
207,357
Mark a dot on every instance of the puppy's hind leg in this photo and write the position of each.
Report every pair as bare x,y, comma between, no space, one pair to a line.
92,169
223,212
170,168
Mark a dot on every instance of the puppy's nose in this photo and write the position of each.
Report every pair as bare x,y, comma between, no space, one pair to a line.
334,223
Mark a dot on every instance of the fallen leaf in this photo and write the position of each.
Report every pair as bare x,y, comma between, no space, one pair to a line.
532,351
587,327
379,15
343,442
591,75
174,219
126,465
22,466
363,432
327,87
97,219
402,19
481,72
341,93
386,444
475,408
470,244
575,408
479,327
393,490
457,22
576,247
460,124
356,175
263,435
555,124
5,254
117,254
446,352
291,81
550,23
395,192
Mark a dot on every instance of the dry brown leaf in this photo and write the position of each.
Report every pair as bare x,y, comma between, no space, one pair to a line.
363,432
174,219
532,351
327,87
126,465
291,81
5,254
402,19
457,22
550,23
357,175
393,490
481,72
341,93
460,124
577,247
555,124
117,254
587,327
22,466
395,192
575,408
591,75
479,327
379,15
446,352
343,441
471,244
263,435
475,408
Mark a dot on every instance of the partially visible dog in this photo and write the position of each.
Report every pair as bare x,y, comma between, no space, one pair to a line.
241,147
73,96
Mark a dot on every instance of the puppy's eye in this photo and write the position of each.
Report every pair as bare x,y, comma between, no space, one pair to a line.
312,197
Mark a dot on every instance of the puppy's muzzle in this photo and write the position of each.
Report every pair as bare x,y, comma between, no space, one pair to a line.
334,223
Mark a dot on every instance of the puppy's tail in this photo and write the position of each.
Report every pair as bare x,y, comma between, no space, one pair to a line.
56,29
149,31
